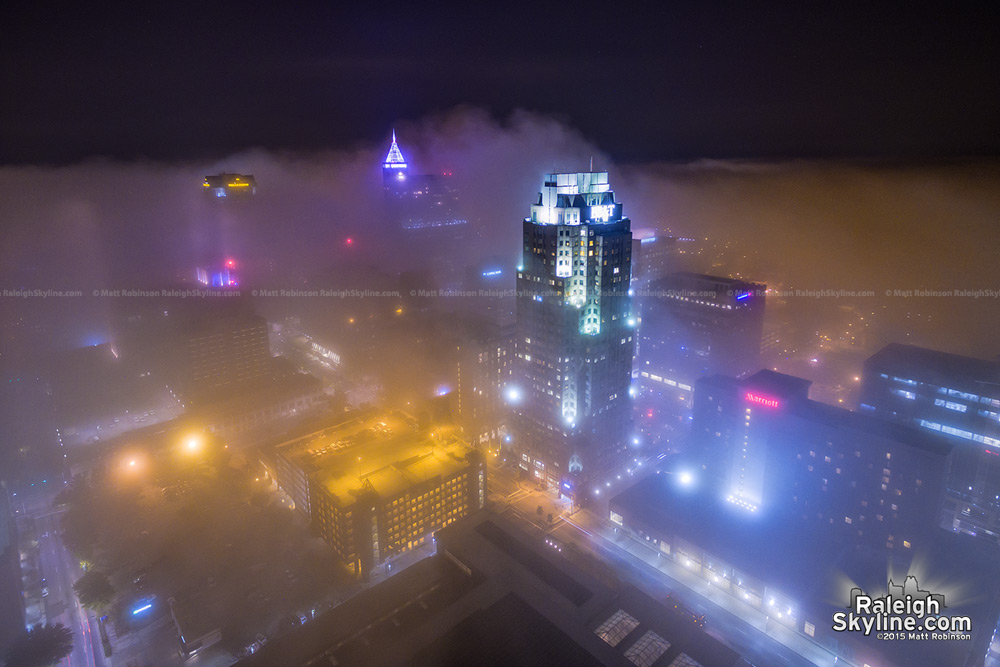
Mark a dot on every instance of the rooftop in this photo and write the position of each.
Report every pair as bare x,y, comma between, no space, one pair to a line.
493,595
387,450
817,572
793,392
910,359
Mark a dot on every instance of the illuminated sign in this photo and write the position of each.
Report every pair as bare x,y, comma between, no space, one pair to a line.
602,212
762,400
742,297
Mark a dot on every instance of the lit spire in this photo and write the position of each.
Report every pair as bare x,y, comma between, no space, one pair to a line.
394,159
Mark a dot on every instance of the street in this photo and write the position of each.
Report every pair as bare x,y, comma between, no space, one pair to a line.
58,571
729,621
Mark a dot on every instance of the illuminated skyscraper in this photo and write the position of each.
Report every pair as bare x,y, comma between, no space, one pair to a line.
425,208
394,169
574,334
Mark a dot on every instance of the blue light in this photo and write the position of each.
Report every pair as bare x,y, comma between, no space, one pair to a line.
143,608
442,390
741,297
566,485
492,272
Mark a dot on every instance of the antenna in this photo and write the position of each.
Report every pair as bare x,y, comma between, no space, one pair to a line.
592,163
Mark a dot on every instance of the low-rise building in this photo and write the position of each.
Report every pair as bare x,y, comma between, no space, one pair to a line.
377,484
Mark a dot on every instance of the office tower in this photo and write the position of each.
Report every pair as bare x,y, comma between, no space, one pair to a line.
573,334
223,352
955,399
653,258
483,371
694,325
425,222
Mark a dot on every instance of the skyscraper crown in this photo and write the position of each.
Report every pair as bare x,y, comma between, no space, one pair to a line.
394,159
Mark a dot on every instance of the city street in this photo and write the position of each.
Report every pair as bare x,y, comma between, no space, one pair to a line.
728,620
60,570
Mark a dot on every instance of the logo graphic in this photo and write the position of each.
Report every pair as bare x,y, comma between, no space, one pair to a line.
905,612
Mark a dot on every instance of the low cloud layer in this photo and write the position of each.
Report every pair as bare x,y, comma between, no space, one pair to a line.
803,224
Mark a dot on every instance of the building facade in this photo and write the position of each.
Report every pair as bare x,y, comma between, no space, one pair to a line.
766,448
425,220
224,350
692,326
573,334
483,370
653,258
376,485
956,400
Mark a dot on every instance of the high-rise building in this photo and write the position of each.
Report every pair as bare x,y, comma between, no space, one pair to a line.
767,448
573,334
652,258
484,370
224,351
693,325
954,399
425,219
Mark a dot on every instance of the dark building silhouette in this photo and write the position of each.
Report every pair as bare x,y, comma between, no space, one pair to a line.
492,595
426,227
693,325
230,186
953,399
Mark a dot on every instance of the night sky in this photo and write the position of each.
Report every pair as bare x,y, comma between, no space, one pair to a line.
677,82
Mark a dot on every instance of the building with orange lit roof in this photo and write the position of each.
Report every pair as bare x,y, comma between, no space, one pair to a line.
378,484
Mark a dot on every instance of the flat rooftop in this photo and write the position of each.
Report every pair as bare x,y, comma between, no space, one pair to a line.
932,364
388,450
493,595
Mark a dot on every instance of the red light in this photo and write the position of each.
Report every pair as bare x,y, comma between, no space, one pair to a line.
763,400
349,241
649,413
230,262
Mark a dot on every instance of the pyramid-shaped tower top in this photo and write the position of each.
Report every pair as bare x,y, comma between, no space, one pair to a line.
394,159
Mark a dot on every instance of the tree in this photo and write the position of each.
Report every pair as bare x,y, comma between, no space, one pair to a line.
40,646
94,590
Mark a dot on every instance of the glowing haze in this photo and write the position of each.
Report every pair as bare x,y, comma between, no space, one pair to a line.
807,225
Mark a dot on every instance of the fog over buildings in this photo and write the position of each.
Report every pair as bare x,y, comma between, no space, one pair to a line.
283,399
801,224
